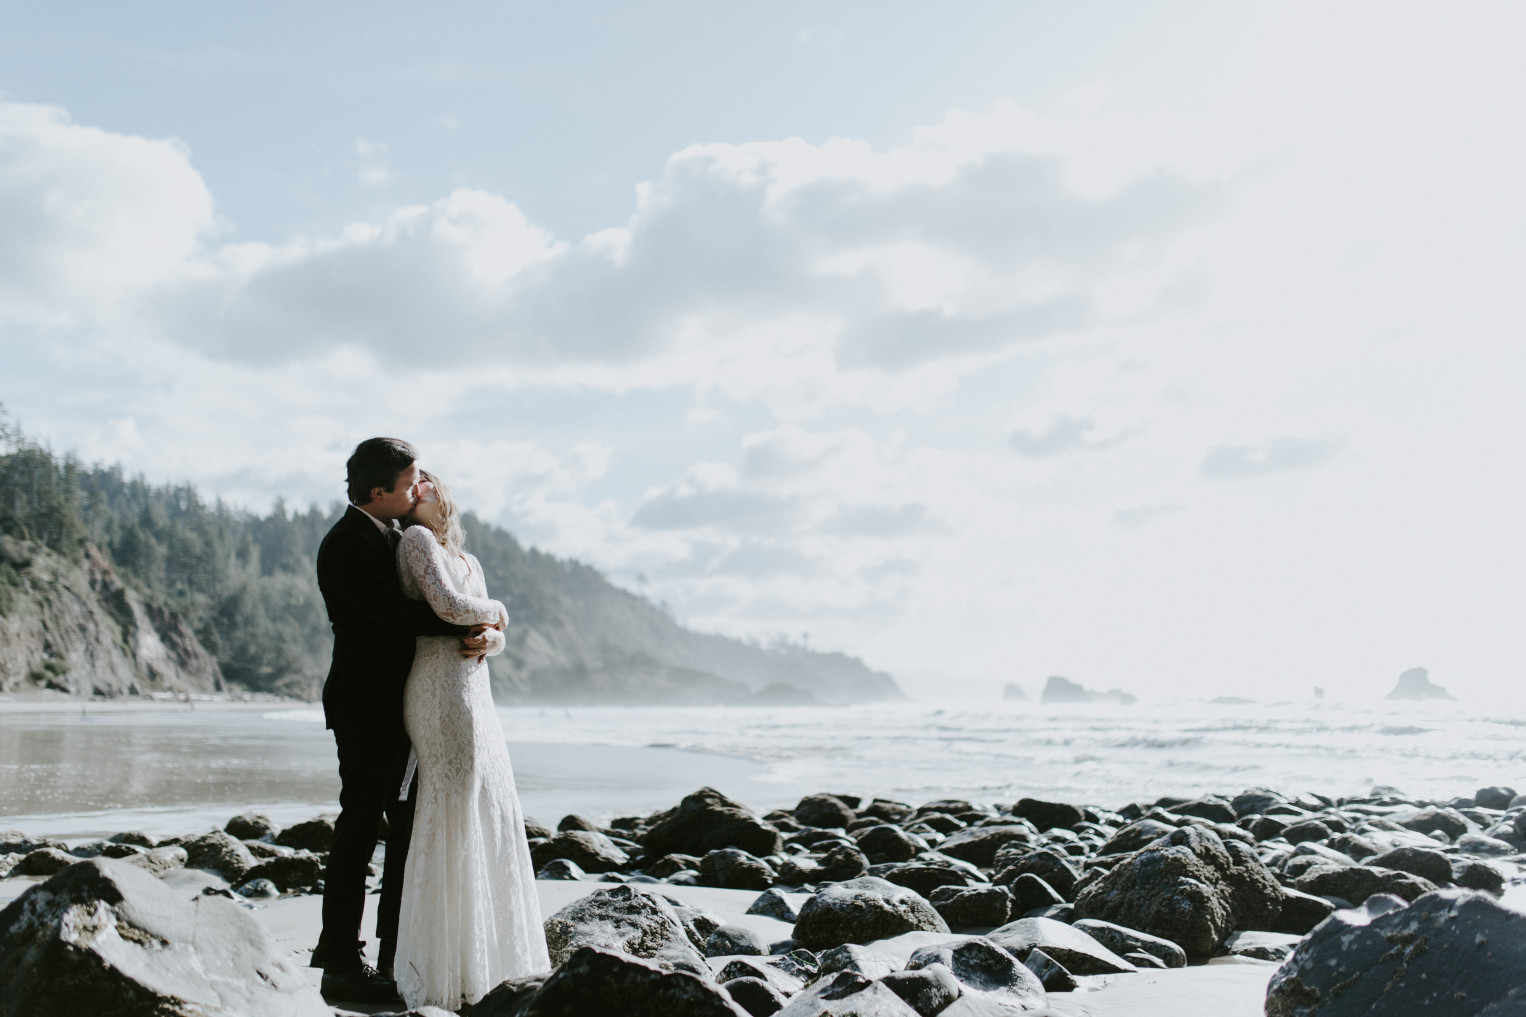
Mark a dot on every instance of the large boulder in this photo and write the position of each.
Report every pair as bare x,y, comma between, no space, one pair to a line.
589,849
923,878
1426,863
861,911
316,835
1053,867
597,981
1452,953
735,869
220,853
249,826
983,969
627,921
1355,883
962,907
1188,887
1048,815
1075,949
887,843
706,821
296,871
106,938
979,844
823,811
927,990
1126,941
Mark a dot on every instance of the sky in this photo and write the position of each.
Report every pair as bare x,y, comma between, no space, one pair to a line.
1171,347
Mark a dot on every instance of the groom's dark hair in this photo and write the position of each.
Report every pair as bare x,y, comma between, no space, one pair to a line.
376,462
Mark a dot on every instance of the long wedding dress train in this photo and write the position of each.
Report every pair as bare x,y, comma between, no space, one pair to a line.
470,915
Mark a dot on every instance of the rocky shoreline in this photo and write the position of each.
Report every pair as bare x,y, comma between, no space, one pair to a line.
993,909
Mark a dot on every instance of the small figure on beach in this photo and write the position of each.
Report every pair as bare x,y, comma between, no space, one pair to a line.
376,627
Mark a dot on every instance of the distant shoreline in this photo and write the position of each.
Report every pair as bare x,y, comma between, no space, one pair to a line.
44,701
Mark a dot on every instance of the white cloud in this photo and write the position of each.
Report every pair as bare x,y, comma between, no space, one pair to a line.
1279,455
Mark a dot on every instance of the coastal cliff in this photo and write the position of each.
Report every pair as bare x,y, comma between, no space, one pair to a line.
110,586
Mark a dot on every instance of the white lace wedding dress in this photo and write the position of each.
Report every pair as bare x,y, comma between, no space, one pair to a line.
470,916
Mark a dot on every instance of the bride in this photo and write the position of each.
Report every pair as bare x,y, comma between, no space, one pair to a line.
470,916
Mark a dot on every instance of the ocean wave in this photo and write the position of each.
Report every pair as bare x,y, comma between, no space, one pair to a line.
301,714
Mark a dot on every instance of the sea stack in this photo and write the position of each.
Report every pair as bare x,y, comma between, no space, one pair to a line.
1416,684
1013,694
1063,690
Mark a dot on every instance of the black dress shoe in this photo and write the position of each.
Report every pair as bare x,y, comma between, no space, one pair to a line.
358,985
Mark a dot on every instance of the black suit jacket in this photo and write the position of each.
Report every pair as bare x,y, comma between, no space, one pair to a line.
374,626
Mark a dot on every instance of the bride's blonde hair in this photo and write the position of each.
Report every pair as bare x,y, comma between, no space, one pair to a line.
447,528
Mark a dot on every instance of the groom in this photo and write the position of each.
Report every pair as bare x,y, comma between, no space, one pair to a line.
374,630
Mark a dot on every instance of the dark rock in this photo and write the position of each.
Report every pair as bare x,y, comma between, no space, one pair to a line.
1079,952
735,869
628,921
785,973
755,996
560,868
506,999
982,968
842,863
1266,946
1418,861
885,810
1050,866
706,821
535,830
598,981
157,861
104,937
296,871
1135,836
1255,802
697,923
1481,844
1188,887
1215,810
861,911
573,821
823,810
316,835
134,837
1266,827
1448,821
262,850
961,907
735,941
1453,952
1065,913
886,843
1416,684
1358,882
665,866
1140,959
1353,846
773,904
257,889
924,878
43,862
250,826
1494,798
1124,942
942,822
1048,815
1309,829
926,990
979,844
1301,912
1030,891
591,850
219,853
1479,876
1050,972
847,994
858,959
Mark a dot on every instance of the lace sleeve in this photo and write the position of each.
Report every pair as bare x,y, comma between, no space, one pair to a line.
425,562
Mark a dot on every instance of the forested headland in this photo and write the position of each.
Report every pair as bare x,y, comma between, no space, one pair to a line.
110,585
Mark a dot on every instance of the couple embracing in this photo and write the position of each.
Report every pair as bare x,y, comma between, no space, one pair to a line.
419,742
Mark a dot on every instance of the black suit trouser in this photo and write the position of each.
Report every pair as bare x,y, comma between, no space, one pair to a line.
371,768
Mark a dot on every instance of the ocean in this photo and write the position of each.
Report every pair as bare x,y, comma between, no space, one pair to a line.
169,769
